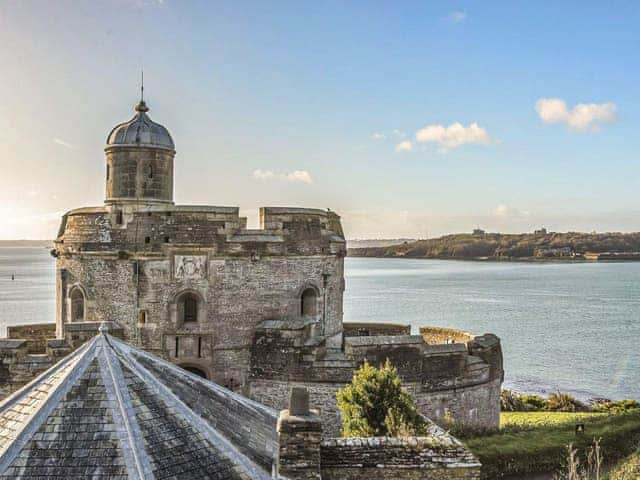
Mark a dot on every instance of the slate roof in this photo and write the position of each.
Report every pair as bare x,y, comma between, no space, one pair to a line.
110,411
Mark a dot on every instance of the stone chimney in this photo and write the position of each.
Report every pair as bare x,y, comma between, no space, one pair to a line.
300,433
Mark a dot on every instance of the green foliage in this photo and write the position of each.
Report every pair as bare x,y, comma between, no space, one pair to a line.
514,402
564,402
374,405
616,407
533,403
541,446
510,401
507,246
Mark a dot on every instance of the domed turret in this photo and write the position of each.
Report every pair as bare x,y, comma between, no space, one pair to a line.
139,156
141,130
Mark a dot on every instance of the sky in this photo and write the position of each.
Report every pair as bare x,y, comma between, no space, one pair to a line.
409,119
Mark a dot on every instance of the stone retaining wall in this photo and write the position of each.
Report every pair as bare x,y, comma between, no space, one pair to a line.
371,329
36,335
413,458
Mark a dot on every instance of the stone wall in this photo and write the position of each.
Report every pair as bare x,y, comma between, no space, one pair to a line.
18,366
413,458
321,395
452,383
137,172
365,329
304,456
35,334
135,272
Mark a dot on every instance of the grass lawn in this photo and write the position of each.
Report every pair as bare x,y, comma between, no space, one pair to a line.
629,469
530,442
529,420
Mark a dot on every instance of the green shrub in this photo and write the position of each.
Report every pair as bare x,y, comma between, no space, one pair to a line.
374,405
533,403
510,401
564,402
514,402
616,407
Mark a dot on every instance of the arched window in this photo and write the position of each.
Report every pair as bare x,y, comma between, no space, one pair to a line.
309,302
189,308
77,305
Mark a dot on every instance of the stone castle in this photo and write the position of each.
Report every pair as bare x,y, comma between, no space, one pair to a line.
256,311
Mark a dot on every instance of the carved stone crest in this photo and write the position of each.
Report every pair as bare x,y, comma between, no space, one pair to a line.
190,267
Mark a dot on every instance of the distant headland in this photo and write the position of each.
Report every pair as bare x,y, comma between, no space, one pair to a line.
540,245
26,243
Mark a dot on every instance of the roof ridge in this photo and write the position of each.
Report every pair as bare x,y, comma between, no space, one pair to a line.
201,425
128,429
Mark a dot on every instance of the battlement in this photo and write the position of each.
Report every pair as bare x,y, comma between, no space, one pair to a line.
447,378
153,228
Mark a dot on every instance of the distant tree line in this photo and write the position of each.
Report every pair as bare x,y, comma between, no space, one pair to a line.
507,246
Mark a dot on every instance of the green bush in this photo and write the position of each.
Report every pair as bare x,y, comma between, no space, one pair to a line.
510,401
374,405
514,402
564,402
533,403
616,407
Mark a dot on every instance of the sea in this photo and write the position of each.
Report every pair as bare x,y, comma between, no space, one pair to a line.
572,327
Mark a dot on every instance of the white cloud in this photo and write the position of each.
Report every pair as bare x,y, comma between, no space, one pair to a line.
454,135
399,133
298,176
582,117
62,143
405,146
504,211
378,136
458,17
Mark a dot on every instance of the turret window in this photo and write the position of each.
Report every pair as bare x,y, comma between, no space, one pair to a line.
309,302
77,305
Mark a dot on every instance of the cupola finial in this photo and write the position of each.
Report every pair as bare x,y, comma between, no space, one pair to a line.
141,106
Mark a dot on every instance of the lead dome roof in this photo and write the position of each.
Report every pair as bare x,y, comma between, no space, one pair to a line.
141,131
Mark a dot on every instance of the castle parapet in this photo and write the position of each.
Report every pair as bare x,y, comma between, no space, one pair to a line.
160,228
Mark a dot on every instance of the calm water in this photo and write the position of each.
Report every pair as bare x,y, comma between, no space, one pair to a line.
572,327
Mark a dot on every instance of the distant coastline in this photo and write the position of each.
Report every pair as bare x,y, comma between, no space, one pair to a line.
26,243
540,246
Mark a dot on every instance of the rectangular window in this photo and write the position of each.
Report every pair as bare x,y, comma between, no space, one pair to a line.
177,346
199,347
